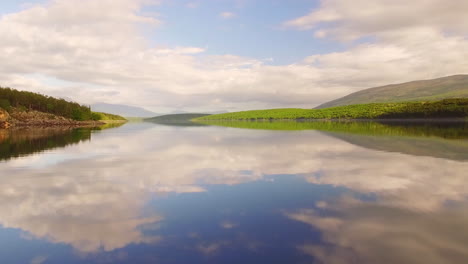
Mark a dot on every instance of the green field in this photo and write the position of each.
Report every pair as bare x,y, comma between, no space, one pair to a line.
447,108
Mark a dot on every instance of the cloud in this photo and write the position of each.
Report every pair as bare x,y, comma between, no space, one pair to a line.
227,15
369,232
179,51
38,260
350,20
228,225
192,4
71,49
211,249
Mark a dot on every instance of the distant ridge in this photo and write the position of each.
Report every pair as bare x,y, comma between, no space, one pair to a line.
455,86
175,118
122,110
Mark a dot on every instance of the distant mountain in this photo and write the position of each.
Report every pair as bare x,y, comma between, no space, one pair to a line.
176,112
175,118
455,86
218,112
122,110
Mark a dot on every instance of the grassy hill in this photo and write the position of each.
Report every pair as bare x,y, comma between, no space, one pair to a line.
427,90
24,105
109,117
447,108
175,118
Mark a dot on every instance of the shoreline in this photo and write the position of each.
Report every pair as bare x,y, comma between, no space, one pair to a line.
399,120
16,118
56,123
49,123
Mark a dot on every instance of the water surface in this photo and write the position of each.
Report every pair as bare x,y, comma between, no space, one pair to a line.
255,193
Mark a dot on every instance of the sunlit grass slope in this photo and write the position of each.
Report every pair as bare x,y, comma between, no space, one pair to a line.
109,117
448,108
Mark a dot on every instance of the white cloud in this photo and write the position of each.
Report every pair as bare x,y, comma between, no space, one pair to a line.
349,20
38,260
179,51
192,4
372,233
94,51
227,15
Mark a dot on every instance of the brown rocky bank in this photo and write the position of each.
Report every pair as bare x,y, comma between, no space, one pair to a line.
4,119
31,118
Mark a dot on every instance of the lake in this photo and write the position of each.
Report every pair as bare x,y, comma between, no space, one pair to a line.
317,192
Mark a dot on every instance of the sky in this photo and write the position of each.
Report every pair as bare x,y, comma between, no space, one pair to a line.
226,55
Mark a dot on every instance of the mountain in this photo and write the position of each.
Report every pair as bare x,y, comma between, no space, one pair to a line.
175,118
455,86
122,110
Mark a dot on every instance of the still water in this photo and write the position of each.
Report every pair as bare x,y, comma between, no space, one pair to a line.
237,193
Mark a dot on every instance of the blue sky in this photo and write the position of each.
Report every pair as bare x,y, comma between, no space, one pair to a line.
226,55
254,31
8,6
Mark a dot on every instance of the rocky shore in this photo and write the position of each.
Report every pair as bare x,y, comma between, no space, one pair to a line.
17,118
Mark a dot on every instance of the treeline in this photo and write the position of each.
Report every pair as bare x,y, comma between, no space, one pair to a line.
24,100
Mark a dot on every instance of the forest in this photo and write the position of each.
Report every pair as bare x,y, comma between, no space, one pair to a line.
25,101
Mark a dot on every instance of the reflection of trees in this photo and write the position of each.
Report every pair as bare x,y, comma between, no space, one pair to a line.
20,142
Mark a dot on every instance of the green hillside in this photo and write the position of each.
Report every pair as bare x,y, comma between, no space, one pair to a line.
175,118
15,101
447,108
427,90
109,117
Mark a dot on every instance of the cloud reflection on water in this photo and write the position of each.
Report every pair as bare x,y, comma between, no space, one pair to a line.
96,199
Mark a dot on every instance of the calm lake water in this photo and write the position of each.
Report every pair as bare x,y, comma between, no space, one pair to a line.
237,193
